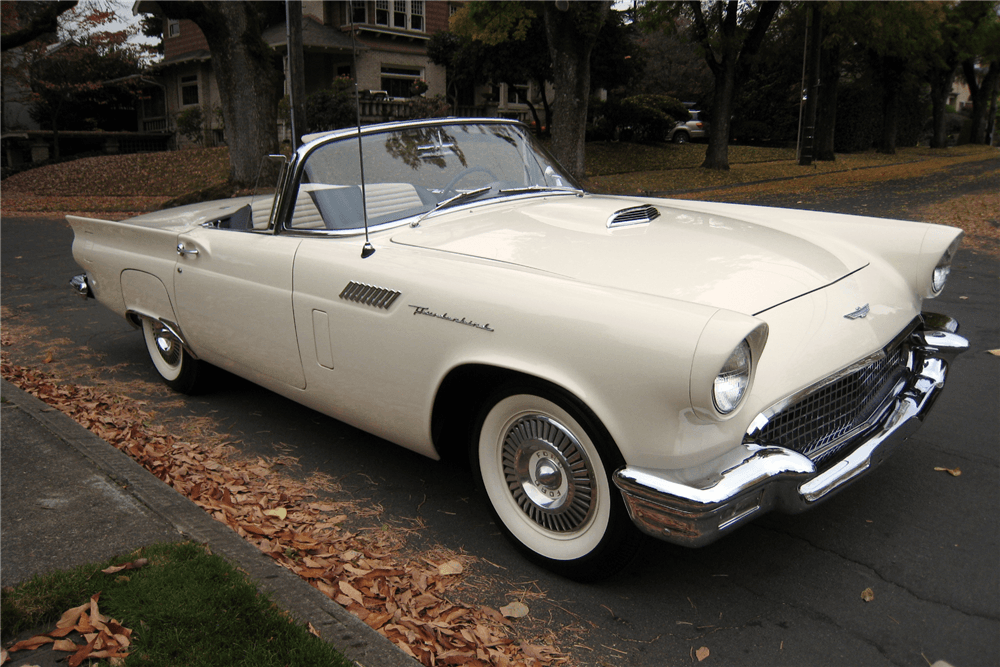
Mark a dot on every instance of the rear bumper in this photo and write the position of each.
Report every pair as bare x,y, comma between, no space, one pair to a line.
696,506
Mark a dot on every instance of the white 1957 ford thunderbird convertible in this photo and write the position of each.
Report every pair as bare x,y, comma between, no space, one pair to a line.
613,366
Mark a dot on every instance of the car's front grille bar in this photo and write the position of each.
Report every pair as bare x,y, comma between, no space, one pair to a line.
820,422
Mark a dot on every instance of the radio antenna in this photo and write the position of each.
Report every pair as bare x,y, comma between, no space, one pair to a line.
368,250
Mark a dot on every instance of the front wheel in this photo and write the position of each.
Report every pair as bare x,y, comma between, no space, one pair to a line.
681,138
178,369
546,465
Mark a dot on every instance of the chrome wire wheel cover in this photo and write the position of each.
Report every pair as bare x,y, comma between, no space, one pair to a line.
167,344
165,350
548,473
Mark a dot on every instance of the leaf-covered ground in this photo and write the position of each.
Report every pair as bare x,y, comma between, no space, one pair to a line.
427,601
115,183
668,169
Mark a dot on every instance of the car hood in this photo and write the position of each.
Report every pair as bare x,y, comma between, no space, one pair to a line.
686,255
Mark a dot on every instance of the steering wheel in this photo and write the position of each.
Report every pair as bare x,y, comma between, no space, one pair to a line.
471,170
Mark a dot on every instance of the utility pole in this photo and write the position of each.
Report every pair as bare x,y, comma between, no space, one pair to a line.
814,33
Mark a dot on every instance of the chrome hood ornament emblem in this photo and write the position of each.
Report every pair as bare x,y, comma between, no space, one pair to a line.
859,313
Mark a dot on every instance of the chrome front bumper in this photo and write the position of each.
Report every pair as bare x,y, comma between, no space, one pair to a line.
696,506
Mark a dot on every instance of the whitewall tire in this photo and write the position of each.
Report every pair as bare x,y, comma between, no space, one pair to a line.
178,369
546,467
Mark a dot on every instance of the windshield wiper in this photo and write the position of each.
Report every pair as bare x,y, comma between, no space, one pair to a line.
540,188
450,201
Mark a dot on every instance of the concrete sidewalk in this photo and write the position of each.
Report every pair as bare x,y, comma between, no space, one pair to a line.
68,498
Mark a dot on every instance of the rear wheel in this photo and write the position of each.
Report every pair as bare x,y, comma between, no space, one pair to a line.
178,369
546,465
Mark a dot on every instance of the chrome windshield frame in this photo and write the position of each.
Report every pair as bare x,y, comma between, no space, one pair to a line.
280,223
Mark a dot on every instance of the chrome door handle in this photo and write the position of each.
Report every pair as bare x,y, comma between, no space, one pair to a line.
181,250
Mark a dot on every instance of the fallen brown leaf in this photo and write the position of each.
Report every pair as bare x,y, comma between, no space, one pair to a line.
868,595
514,610
31,643
954,472
702,653
133,565
66,645
451,567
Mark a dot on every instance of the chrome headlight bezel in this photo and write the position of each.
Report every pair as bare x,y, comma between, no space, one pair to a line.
939,276
935,277
733,380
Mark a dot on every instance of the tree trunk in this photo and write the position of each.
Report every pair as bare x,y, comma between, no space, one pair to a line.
826,116
546,107
981,93
533,110
890,122
890,71
571,29
249,78
941,81
734,56
717,153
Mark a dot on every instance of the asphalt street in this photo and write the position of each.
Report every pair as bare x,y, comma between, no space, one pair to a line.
785,590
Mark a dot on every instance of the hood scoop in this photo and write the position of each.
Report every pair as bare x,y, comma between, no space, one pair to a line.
636,215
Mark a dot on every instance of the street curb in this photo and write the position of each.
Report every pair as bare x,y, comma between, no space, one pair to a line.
337,626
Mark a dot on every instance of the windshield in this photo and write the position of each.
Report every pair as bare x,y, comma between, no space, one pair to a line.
411,171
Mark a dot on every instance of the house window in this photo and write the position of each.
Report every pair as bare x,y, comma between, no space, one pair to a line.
359,11
382,12
416,15
189,90
396,81
173,28
517,94
399,14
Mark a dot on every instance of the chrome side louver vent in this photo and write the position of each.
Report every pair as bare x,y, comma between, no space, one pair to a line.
636,215
369,295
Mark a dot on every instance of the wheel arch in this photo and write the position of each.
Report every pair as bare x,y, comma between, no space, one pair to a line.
462,395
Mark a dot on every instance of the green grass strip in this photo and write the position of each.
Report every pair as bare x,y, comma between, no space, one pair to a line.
186,607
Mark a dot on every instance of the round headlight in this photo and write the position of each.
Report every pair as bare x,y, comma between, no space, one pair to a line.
940,276
732,381
943,268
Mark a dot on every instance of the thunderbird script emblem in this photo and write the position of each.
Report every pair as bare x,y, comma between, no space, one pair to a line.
859,313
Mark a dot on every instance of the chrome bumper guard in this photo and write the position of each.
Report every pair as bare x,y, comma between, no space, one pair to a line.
696,506
81,287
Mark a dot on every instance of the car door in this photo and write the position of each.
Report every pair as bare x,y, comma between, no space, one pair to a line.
233,291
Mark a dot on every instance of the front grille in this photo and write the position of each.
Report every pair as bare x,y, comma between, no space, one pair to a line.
819,424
